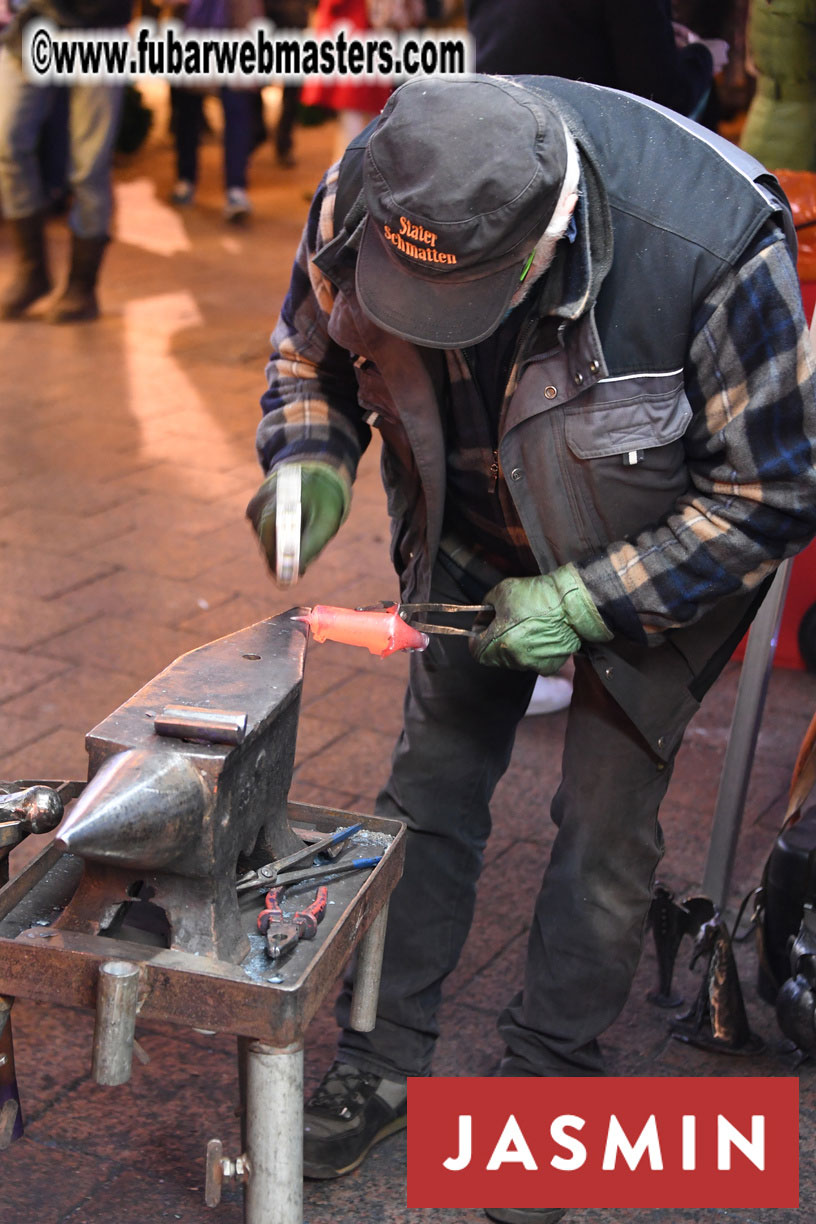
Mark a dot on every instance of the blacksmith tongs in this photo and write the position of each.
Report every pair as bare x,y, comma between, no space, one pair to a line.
264,876
408,611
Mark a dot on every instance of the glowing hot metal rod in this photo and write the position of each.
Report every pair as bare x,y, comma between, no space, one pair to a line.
382,632
388,628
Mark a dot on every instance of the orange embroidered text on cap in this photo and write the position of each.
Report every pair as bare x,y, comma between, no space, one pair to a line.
427,253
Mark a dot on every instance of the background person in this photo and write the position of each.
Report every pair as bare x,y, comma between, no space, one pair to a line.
780,127
93,117
626,44
288,15
238,106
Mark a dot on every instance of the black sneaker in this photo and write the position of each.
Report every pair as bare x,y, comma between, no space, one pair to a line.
350,1112
525,1215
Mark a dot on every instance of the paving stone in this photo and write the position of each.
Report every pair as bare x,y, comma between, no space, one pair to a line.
157,513
42,1184
521,805
357,762
248,576
469,1043
140,1198
378,705
197,485
26,620
56,490
106,434
170,601
62,533
322,796
321,676
355,1199
490,988
40,1027
60,754
697,775
111,641
316,733
161,1119
233,614
173,556
22,671
52,576
78,697
17,730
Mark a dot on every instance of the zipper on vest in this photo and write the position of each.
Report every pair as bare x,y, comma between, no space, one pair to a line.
494,468
495,472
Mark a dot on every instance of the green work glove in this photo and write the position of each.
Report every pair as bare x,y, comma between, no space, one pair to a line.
324,505
539,622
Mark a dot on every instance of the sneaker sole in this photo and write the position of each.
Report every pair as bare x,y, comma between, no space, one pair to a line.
525,1215
323,1172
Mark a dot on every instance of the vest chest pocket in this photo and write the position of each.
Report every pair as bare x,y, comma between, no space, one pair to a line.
629,458
621,427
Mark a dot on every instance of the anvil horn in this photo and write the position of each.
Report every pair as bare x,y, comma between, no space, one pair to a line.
142,808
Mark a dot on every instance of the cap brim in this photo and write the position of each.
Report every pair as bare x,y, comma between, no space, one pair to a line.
431,309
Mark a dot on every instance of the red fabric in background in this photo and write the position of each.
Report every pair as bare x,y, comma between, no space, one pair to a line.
344,93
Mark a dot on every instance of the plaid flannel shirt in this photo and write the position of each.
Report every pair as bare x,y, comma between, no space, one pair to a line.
750,446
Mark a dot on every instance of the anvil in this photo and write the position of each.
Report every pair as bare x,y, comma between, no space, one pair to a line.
186,778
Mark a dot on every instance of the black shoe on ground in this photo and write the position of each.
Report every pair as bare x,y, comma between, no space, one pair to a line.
350,1112
31,279
525,1215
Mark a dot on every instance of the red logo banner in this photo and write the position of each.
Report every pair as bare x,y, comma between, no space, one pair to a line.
676,1142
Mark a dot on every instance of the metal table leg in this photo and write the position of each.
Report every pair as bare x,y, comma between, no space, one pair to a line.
363,1015
742,738
274,1131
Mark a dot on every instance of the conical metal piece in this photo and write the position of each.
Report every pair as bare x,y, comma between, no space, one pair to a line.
144,808
718,1019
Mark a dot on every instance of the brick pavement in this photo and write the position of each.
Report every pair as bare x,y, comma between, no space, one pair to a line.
126,461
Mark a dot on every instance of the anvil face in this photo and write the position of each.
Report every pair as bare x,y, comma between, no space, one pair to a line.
256,670
184,808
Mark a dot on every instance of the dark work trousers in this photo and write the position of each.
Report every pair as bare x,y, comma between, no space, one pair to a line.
237,104
590,915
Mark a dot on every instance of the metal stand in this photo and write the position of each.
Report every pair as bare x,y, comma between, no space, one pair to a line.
739,754
267,1005
274,1104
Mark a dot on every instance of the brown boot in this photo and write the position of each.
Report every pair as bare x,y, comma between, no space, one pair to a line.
31,280
77,301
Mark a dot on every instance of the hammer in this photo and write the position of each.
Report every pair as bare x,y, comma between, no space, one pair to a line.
37,809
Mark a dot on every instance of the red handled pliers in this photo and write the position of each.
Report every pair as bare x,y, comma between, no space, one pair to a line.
283,931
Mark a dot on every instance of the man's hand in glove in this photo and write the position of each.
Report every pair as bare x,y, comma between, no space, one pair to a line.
324,504
539,622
